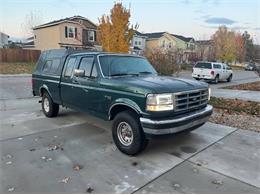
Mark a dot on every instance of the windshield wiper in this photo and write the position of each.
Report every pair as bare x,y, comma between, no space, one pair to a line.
123,74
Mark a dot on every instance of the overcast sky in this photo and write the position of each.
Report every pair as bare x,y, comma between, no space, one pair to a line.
195,18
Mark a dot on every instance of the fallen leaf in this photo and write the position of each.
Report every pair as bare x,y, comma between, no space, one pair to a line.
217,182
77,167
176,185
11,189
89,190
65,180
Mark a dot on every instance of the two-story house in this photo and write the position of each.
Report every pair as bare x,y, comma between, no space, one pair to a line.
204,50
72,32
167,41
138,43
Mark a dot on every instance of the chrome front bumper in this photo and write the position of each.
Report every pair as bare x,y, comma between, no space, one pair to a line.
178,124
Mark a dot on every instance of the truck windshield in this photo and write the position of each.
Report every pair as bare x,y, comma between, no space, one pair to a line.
203,65
114,65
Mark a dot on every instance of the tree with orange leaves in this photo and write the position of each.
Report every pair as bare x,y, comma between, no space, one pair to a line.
114,30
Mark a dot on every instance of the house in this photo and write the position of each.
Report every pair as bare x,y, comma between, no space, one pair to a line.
29,43
138,43
167,41
204,50
3,40
72,32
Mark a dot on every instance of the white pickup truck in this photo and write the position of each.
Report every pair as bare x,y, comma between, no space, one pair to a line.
212,71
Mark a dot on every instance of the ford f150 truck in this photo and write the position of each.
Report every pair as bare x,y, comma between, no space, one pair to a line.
123,88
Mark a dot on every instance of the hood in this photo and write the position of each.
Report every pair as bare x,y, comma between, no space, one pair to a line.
156,84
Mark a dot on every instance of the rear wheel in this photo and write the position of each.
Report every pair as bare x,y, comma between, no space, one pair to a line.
128,134
216,80
229,78
50,109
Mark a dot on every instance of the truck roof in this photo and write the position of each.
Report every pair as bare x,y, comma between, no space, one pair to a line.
58,53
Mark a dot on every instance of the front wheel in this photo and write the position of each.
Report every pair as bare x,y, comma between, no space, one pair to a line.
50,109
216,80
128,134
229,78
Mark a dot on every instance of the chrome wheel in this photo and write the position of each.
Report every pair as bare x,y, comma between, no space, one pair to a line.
125,133
46,105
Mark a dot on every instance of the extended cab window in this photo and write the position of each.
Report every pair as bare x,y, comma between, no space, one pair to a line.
203,65
47,66
55,65
217,66
86,65
70,67
51,66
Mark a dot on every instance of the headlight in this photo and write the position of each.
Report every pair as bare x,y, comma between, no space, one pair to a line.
209,94
159,102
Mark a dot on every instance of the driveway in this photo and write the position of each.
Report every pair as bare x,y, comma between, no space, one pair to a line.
74,153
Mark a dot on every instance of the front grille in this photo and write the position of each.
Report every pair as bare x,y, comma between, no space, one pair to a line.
190,100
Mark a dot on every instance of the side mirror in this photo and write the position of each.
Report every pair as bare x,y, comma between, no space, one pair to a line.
79,73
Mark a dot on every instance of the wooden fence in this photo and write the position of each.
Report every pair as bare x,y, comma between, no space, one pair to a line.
19,55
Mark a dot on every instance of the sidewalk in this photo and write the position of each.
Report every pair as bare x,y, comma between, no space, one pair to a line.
237,94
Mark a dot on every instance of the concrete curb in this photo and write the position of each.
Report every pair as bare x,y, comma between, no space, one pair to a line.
15,75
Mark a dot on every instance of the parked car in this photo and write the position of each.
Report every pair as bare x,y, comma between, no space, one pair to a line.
212,71
250,67
123,88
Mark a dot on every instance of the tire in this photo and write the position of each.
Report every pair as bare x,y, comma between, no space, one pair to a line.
216,80
133,143
49,108
197,79
229,78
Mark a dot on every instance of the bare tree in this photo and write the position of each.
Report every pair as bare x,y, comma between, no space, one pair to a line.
31,20
166,62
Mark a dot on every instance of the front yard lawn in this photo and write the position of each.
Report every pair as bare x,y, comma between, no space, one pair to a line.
16,68
254,86
236,113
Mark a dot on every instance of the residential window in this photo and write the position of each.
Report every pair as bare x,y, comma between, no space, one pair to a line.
163,43
91,36
140,43
170,45
70,32
136,43
86,65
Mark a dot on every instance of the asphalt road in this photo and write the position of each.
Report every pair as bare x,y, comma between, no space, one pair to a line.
38,154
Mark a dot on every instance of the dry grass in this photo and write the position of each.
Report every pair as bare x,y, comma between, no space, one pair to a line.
16,68
236,113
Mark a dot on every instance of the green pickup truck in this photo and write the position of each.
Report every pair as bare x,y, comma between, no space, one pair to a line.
123,88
